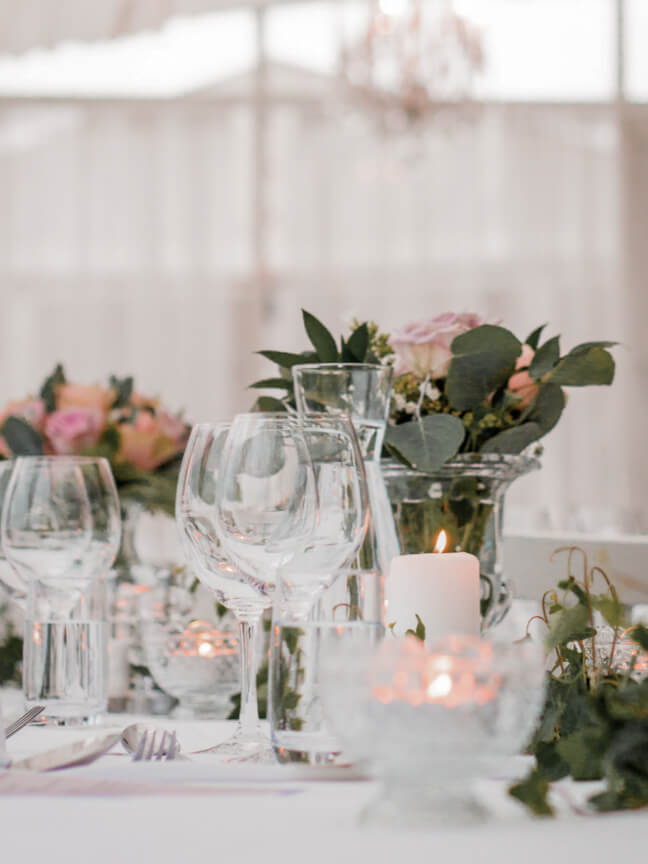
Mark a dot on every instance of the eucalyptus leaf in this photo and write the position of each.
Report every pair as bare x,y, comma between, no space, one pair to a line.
484,359
487,338
269,404
547,407
583,367
321,338
21,438
545,358
514,440
427,443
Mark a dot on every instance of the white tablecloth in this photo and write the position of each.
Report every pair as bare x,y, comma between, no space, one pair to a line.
246,818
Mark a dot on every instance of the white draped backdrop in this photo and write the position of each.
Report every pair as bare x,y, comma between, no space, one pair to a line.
130,238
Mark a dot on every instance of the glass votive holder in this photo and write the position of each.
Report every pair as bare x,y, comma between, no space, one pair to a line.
196,662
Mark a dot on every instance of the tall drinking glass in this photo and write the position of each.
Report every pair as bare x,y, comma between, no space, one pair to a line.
60,533
360,392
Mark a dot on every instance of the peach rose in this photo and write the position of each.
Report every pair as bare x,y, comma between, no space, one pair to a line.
151,440
423,347
521,384
71,430
31,410
92,398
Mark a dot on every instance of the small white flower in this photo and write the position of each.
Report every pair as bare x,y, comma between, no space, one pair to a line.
399,401
432,392
410,407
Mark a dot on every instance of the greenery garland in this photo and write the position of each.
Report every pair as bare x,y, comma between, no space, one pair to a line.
594,725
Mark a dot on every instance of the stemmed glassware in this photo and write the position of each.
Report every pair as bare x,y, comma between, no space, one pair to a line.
342,517
361,393
60,532
245,500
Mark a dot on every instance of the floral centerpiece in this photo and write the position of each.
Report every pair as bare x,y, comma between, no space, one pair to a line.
469,400
143,441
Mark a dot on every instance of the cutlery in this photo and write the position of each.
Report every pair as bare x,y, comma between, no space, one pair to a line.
26,718
146,750
78,753
133,735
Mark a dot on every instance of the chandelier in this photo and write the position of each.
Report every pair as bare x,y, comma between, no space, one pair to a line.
412,59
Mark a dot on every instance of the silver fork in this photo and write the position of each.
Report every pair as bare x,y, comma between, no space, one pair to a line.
147,751
26,718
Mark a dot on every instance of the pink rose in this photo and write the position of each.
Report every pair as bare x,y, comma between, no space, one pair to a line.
521,384
423,347
71,430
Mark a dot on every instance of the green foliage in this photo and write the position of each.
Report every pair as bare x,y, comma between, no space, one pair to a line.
11,651
545,358
427,443
484,360
21,438
50,386
419,633
474,392
595,720
123,388
585,365
363,346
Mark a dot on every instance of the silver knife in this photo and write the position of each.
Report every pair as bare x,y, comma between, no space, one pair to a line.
78,753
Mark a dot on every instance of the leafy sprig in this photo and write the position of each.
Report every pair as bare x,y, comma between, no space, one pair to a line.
470,410
361,346
595,720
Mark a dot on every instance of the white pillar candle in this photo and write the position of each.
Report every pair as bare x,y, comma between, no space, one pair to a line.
442,588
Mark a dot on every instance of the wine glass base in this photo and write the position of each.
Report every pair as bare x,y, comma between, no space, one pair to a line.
244,748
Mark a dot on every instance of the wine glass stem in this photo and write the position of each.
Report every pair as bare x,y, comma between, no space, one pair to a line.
249,713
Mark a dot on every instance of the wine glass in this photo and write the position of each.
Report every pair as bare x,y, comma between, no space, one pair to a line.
343,514
60,533
197,522
61,520
266,504
12,581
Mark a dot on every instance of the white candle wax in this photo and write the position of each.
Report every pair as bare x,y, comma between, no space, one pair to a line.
442,588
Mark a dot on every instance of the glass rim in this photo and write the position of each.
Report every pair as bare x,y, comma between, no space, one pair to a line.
64,457
210,424
339,366
267,415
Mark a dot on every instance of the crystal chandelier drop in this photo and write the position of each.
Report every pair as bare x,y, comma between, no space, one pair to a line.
413,58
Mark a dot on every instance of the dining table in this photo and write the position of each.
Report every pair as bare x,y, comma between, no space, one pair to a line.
195,809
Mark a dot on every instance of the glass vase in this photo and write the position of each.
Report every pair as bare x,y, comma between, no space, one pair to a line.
464,498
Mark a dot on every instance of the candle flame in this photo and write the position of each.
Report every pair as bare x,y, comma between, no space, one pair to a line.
441,542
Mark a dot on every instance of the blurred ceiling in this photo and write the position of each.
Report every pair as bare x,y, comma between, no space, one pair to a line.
29,24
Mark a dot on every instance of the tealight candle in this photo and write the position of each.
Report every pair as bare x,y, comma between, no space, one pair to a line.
442,588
